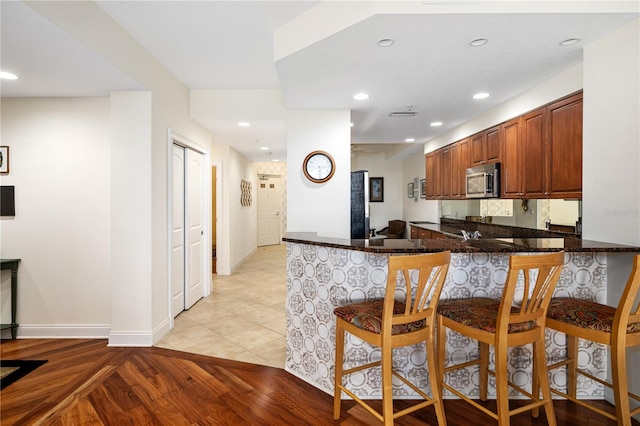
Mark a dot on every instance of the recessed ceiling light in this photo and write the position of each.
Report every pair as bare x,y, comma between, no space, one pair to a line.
385,42
8,76
436,124
244,124
361,96
482,95
410,140
264,148
569,41
478,42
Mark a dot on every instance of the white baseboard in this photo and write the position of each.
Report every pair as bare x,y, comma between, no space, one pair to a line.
244,259
61,331
131,338
161,330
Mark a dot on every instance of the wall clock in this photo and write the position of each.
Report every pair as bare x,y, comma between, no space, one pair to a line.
318,166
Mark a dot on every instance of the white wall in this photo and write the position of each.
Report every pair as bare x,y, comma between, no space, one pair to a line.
423,209
243,221
311,207
391,208
611,182
611,176
88,23
130,132
60,165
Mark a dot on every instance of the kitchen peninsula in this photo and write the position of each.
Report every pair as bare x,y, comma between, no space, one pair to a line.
323,273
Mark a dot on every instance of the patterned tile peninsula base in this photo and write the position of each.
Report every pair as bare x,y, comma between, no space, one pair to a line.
321,278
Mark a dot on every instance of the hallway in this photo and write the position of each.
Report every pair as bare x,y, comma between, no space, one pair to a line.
243,319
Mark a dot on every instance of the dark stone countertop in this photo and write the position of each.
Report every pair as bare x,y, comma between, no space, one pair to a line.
457,245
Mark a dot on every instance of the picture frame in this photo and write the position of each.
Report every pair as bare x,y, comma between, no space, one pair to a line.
410,190
376,190
4,159
423,188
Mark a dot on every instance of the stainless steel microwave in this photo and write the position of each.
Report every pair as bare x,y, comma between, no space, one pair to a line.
483,181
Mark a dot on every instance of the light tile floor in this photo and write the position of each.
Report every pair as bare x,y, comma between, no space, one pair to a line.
244,317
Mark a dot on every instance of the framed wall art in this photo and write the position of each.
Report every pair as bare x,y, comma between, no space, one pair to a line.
4,159
376,190
410,190
423,188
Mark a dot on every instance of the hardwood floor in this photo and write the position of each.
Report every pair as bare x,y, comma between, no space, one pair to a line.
85,382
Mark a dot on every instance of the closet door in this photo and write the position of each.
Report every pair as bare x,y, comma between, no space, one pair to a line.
177,232
194,226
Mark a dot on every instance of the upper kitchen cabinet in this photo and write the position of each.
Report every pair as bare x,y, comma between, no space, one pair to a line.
523,162
542,155
485,146
430,173
564,148
459,165
443,172
511,182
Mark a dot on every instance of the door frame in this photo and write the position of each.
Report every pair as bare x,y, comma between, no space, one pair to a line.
178,139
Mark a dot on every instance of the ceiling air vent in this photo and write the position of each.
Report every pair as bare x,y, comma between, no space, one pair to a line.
403,114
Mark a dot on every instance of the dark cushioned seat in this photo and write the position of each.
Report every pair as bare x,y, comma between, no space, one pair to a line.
368,316
586,314
480,313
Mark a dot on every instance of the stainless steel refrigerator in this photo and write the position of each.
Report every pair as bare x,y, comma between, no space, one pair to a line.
360,204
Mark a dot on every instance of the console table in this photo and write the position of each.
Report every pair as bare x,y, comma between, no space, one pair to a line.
13,265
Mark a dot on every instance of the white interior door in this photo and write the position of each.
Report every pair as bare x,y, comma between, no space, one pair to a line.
269,196
177,232
194,225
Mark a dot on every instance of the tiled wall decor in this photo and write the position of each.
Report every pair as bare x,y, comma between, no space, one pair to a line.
544,213
496,207
245,193
321,278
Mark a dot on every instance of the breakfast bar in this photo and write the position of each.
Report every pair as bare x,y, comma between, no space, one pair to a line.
323,273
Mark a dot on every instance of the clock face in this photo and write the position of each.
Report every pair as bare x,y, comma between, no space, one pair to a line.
318,166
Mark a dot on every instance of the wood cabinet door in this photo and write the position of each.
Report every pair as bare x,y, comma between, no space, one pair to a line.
511,159
443,172
430,173
455,171
464,164
492,149
564,127
533,154
476,146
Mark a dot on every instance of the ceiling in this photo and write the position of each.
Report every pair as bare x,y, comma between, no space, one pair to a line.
323,53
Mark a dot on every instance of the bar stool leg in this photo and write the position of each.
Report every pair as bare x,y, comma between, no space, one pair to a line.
484,369
337,392
572,365
434,377
543,380
387,384
502,385
620,386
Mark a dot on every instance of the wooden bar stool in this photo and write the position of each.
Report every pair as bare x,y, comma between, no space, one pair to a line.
505,323
619,328
389,323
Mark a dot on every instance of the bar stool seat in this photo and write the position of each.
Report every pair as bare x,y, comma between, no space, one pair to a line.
416,280
618,328
511,321
586,314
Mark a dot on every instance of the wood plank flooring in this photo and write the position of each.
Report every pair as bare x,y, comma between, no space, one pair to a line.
85,382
